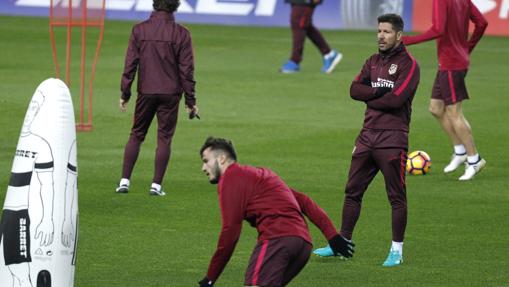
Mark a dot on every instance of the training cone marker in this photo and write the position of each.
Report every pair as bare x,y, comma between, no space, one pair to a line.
39,224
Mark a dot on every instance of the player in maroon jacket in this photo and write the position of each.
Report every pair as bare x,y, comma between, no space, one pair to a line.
160,50
261,197
387,85
450,29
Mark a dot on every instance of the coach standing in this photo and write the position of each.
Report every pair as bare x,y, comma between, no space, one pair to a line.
161,51
386,84
263,199
450,29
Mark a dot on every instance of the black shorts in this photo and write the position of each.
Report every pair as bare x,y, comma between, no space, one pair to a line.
450,87
277,261
15,234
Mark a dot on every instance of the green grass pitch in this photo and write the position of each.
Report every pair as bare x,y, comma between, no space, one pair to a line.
303,126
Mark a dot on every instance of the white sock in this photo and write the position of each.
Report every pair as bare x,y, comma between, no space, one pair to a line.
397,246
156,186
124,181
473,159
460,149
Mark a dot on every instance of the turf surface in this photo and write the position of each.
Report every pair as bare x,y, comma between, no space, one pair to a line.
302,126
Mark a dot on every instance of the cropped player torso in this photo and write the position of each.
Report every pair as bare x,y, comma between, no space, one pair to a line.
32,154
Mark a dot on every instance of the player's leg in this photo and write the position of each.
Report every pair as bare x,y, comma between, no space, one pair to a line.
362,171
299,250
299,21
276,262
20,274
441,96
330,57
16,245
167,115
392,163
458,93
144,112
474,162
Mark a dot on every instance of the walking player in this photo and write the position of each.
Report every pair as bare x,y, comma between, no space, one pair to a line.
161,51
387,84
302,26
260,197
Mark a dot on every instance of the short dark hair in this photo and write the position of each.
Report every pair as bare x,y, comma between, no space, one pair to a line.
394,19
166,5
220,144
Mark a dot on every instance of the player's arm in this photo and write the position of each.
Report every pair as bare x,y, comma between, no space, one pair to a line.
480,25
404,87
360,89
316,214
45,229
231,202
338,244
437,28
132,58
67,235
185,58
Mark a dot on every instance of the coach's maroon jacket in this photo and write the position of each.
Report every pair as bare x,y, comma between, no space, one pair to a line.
162,52
397,71
261,197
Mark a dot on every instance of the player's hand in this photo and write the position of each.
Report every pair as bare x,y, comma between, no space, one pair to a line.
380,92
67,235
123,105
45,231
205,282
193,112
341,246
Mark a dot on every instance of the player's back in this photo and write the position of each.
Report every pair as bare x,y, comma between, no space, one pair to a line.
269,203
453,45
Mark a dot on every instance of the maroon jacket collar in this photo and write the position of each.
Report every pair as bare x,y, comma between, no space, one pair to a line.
162,15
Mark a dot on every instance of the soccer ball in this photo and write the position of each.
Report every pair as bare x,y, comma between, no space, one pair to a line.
418,163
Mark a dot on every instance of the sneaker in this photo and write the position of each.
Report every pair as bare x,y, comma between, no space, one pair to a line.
330,62
393,259
289,67
122,189
324,252
472,169
456,161
155,191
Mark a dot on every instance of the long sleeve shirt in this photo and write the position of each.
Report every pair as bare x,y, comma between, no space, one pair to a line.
398,72
261,197
162,53
450,29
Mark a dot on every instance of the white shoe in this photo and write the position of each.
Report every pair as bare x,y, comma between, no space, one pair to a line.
155,191
456,161
473,169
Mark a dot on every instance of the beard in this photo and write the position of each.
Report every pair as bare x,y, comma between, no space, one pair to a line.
217,174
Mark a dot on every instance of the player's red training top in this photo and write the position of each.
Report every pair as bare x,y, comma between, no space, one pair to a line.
450,28
261,197
397,71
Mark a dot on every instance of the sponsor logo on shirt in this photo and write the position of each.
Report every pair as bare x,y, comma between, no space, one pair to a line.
25,153
23,250
382,83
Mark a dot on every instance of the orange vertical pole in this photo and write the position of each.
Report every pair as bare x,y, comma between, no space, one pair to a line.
83,58
94,63
52,40
68,46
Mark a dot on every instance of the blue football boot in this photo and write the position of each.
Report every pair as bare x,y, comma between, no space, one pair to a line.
394,258
289,67
330,61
